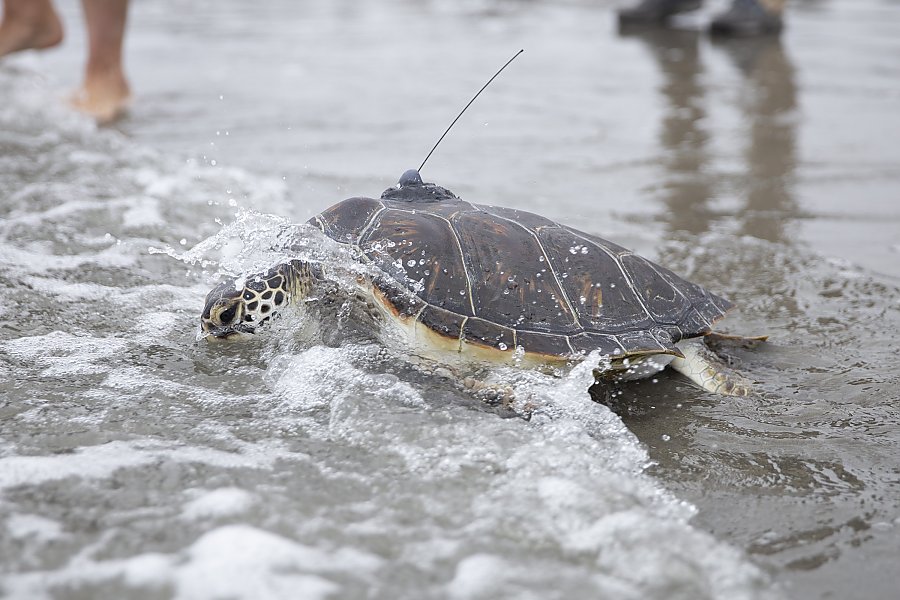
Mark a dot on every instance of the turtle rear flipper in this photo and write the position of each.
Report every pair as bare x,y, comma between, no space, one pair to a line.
702,366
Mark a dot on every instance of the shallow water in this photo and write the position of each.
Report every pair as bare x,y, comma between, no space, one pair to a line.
135,462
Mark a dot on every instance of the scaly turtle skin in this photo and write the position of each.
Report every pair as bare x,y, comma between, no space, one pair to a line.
496,284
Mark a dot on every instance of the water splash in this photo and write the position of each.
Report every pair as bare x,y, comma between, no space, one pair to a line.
162,465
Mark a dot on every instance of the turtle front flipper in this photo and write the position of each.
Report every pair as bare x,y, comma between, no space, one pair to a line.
702,366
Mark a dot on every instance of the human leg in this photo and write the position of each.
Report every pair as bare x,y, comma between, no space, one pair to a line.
28,24
105,93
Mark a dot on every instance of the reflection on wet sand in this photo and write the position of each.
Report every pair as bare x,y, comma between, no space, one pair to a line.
686,184
770,472
766,100
768,106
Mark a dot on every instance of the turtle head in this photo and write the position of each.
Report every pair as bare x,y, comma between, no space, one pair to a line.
240,306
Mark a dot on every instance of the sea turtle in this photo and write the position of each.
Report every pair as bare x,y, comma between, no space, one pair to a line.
464,281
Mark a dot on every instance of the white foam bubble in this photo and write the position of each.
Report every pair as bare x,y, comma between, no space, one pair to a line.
155,323
38,261
247,563
39,528
480,576
323,377
143,212
660,556
222,502
93,462
59,353
233,561
101,461
150,570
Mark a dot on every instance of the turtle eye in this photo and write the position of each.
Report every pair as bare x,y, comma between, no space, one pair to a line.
227,315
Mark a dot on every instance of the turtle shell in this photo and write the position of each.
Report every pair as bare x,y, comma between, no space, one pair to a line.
478,277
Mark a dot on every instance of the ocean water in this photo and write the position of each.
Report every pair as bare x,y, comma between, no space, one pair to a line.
138,462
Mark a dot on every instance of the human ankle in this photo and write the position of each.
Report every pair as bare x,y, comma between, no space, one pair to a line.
26,30
775,7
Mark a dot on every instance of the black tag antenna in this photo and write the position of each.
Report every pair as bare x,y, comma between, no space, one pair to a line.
467,106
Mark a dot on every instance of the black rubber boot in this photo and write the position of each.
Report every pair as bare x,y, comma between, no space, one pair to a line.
655,12
745,18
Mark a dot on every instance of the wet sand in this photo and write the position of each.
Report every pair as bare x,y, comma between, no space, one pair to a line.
792,139
766,170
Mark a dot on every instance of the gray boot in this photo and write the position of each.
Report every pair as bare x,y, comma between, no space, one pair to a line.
744,18
655,12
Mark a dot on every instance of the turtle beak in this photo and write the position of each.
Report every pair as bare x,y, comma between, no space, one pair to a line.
228,332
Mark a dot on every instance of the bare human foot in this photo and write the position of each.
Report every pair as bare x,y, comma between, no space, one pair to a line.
29,24
103,95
